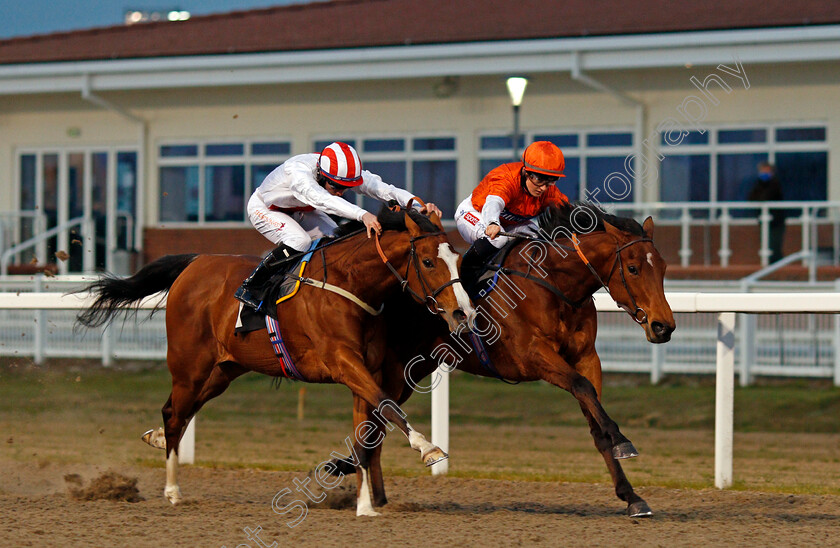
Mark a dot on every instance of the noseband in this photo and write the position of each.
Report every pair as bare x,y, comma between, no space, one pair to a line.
636,309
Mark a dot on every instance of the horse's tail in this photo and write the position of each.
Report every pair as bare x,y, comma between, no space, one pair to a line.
112,293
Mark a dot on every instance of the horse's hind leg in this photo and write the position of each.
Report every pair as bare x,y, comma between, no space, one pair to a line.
186,399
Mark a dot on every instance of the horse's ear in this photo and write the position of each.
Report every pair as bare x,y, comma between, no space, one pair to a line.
648,227
612,231
413,228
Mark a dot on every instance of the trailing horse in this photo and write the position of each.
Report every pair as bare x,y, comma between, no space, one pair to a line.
540,323
329,339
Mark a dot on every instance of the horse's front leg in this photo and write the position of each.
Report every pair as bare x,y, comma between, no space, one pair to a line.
386,411
590,367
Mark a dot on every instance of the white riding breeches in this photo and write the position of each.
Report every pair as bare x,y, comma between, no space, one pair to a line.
295,229
471,225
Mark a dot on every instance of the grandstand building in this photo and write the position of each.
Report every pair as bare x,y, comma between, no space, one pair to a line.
137,141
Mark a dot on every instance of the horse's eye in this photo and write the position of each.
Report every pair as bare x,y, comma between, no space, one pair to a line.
428,263
632,270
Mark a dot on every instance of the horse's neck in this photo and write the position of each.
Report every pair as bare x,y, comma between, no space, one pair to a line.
355,265
565,269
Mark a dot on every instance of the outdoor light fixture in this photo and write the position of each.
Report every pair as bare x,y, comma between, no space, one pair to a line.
516,88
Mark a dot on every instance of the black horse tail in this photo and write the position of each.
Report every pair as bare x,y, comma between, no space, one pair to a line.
113,293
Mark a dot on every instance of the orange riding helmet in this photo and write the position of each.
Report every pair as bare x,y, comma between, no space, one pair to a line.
544,157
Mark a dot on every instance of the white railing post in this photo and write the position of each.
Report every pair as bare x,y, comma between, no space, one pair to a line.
764,227
657,363
440,418
836,347
39,340
107,345
724,252
806,232
748,352
724,400
685,237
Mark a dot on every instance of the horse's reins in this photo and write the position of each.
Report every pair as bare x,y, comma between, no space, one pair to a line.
617,261
429,299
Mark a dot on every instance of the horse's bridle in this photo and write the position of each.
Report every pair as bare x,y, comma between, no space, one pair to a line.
429,298
617,261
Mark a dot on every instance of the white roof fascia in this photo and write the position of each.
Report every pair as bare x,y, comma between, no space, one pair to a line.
801,44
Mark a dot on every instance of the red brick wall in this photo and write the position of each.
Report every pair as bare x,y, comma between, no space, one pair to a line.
239,241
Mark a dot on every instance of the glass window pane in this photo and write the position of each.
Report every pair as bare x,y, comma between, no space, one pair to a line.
274,148
804,175
171,151
178,194
27,181
126,198
393,173
570,184
321,145
691,138
788,134
224,194
435,181
685,178
435,143
497,142
736,175
127,182
609,139
384,145
731,136
258,174
27,199
559,140
607,181
224,149
486,165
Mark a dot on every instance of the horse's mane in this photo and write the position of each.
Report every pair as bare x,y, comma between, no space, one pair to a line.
390,220
561,217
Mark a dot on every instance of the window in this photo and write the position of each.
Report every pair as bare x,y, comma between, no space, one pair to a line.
424,165
210,182
720,163
594,161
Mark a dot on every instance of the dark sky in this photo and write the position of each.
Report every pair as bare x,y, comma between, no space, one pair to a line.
27,17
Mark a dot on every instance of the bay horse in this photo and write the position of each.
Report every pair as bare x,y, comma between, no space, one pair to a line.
544,323
329,339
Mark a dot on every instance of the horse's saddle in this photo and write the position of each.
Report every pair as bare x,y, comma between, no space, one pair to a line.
281,286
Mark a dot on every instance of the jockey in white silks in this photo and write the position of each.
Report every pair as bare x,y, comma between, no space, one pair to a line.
294,203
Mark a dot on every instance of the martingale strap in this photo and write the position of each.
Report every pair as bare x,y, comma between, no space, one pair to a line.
286,365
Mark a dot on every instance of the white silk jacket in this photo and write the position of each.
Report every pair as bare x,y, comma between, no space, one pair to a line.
292,185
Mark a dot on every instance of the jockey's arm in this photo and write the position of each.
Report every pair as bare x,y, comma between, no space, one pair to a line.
305,189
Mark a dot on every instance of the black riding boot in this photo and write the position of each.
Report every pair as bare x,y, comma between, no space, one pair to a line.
261,274
474,263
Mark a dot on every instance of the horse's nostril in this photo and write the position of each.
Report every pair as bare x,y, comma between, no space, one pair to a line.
659,328
459,316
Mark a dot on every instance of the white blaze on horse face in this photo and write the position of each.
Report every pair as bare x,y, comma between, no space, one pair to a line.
364,502
451,259
650,258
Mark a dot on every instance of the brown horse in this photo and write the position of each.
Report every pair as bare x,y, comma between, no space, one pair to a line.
329,339
540,323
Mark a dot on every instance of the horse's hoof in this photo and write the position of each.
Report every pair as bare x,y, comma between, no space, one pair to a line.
367,512
172,494
639,509
434,456
624,451
155,438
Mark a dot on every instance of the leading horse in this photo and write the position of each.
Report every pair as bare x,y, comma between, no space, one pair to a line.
328,338
540,323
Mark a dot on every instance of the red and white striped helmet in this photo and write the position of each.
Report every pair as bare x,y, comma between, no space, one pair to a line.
340,163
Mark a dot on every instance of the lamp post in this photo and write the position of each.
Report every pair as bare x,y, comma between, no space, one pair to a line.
516,88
